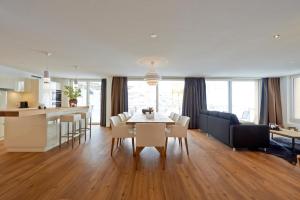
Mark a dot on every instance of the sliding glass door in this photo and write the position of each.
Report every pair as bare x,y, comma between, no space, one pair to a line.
91,96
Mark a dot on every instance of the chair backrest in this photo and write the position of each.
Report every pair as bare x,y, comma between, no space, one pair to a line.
150,134
171,115
126,115
176,117
115,121
183,121
122,117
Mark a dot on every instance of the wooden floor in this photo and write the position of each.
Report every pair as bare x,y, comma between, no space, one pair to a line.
212,171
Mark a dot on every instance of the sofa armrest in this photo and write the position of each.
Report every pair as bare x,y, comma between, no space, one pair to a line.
249,136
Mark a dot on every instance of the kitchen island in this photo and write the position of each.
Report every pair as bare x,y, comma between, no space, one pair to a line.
34,130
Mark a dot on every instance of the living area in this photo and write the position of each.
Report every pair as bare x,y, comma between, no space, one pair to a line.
155,99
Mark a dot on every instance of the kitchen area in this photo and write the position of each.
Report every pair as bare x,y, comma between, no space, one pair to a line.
29,113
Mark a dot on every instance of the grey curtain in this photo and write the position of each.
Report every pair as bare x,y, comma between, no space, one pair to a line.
194,99
103,103
270,108
119,95
264,114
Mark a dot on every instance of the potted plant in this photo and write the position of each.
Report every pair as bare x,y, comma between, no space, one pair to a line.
72,93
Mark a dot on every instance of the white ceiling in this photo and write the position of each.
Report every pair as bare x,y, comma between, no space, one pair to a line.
215,38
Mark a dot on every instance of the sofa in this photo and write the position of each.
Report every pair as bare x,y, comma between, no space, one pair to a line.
227,128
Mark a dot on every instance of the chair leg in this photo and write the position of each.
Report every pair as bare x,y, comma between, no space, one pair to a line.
79,131
73,129
68,131
60,135
186,145
137,157
166,145
85,127
112,146
133,151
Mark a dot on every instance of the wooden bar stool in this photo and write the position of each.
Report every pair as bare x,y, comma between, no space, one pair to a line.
87,117
73,119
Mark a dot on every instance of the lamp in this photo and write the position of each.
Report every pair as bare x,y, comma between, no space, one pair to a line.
152,77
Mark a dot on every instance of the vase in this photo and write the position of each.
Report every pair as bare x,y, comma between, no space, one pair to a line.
73,102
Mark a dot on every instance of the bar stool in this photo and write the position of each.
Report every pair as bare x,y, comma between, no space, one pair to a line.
87,117
73,119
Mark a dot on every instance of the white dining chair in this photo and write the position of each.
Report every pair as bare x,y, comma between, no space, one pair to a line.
150,135
171,115
120,131
176,117
179,130
122,117
127,115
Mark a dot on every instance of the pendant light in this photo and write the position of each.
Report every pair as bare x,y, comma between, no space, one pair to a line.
152,77
46,76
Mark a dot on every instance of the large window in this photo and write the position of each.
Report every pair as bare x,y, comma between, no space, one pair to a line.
245,100
238,96
170,96
165,98
296,98
140,95
90,96
217,95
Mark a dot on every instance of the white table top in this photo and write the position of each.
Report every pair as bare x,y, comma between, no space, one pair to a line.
158,118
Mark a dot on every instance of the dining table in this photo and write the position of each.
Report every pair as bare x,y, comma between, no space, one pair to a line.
158,118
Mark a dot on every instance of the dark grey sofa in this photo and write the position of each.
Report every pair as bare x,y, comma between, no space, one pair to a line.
227,128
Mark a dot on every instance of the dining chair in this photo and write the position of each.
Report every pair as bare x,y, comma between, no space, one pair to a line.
179,130
120,131
171,115
127,115
122,117
176,117
150,135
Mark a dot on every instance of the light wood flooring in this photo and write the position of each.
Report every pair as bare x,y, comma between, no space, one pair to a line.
212,171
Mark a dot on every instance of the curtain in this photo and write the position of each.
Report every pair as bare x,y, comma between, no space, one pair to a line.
119,95
103,103
264,114
194,99
274,101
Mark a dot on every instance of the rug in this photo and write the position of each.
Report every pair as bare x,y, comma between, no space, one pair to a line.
282,147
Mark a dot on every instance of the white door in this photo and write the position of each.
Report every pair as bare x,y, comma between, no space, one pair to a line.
3,95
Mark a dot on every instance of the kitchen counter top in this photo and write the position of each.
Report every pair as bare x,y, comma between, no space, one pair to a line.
23,112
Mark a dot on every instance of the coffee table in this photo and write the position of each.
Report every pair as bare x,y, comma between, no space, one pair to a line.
287,133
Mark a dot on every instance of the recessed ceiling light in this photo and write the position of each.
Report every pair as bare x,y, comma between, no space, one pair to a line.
153,35
277,36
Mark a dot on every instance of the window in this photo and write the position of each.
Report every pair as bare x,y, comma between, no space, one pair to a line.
170,96
166,97
140,95
217,95
296,97
91,96
245,100
94,100
82,101
238,96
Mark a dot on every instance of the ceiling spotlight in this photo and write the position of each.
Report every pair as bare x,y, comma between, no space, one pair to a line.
277,36
153,35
